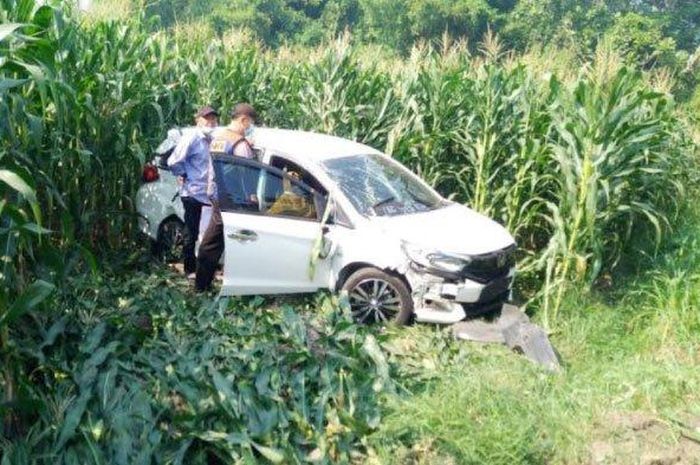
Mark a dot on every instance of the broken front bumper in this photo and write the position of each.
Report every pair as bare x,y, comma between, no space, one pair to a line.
440,300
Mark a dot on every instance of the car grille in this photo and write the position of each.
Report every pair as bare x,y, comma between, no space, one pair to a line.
495,289
492,297
490,266
484,307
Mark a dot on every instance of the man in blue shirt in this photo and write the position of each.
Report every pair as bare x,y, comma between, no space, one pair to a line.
190,163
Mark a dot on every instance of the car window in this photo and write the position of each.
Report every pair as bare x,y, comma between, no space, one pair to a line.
283,196
289,166
237,185
248,187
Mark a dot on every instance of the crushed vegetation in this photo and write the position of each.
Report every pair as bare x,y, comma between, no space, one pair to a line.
135,370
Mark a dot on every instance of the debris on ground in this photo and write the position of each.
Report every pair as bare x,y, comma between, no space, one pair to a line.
512,327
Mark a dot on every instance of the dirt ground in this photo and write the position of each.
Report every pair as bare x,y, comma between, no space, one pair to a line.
639,438
179,268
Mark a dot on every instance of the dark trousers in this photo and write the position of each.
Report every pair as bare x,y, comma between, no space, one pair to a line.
210,250
193,214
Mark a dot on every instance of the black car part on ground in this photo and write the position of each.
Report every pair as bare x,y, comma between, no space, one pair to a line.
512,327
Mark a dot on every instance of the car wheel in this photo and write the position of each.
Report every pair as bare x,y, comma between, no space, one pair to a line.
378,297
171,238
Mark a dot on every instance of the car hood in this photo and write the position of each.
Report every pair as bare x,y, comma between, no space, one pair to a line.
454,229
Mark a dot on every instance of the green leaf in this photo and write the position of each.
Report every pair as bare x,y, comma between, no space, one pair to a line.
13,180
99,356
35,228
371,348
30,298
89,258
212,436
43,16
6,84
273,455
54,331
93,339
72,419
225,394
7,29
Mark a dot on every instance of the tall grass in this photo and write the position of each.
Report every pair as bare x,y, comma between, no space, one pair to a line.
633,354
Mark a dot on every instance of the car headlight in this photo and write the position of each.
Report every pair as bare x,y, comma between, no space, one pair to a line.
434,260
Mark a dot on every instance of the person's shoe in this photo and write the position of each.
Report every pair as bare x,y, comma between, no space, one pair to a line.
191,276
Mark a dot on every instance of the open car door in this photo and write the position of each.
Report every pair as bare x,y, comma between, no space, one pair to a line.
271,223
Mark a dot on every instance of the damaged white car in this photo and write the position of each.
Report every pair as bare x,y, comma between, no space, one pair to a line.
320,212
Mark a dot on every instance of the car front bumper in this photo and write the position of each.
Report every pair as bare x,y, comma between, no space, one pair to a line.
439,300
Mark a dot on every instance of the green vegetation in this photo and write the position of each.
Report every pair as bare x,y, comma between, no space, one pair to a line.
399,23
587,158
648,33
133,371
128,367
629,388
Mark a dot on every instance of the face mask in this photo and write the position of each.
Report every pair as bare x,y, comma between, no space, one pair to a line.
249,131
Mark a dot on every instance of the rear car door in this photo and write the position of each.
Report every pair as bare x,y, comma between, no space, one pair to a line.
271,223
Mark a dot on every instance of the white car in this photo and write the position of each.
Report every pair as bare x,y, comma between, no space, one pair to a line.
320,212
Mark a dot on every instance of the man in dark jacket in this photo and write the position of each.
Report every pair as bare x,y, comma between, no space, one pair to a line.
228,141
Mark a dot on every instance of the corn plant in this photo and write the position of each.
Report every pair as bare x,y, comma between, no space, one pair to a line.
617,173
135,373
21,229
343,98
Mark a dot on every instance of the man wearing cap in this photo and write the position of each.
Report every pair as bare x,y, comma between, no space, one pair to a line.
190,163
229,141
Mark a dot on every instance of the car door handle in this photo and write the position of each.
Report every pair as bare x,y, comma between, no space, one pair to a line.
243,235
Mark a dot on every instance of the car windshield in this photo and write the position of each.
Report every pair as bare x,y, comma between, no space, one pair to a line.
378,186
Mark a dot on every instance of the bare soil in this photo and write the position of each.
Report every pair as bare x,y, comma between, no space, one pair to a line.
640,438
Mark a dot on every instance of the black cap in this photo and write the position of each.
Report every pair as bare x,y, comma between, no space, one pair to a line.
244,109
206,111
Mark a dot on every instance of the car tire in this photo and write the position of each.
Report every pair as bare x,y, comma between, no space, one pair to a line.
376,296
171,237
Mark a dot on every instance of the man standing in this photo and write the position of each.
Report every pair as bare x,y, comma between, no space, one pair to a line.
230,141
190,163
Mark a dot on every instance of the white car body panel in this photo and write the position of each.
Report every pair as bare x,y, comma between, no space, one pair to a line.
275,260
454,229
157,201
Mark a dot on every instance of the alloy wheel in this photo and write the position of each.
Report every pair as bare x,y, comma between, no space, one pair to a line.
374,301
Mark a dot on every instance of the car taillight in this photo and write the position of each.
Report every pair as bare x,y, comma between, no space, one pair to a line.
150,173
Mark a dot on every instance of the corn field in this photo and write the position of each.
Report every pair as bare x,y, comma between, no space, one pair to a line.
585,169
573,165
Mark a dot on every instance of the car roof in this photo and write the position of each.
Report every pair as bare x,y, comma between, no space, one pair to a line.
308,145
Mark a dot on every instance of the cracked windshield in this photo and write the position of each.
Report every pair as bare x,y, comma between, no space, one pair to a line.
377,186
